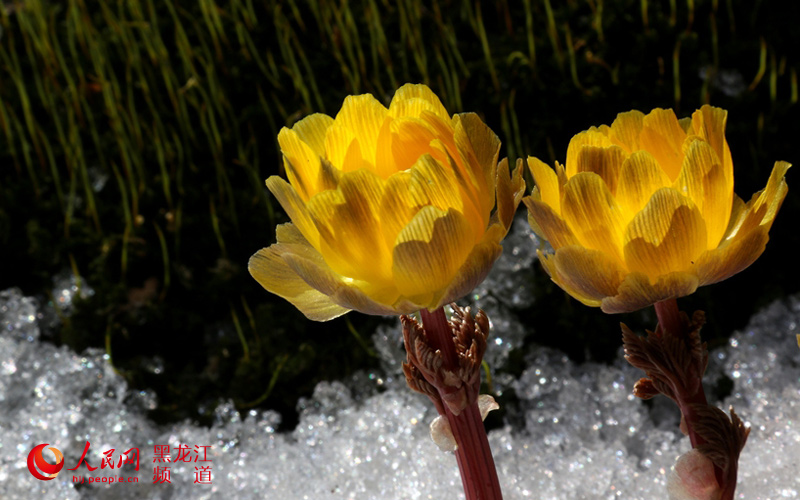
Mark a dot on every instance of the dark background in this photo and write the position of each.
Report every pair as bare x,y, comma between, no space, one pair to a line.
176,107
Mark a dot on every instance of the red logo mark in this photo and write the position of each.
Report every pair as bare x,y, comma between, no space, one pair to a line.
50,470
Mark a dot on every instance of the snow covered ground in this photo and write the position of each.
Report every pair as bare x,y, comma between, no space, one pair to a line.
584,435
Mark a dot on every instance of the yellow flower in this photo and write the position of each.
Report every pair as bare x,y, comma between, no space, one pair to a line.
645,210
391,209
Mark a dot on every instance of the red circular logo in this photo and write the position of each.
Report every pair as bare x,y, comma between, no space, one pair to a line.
50,470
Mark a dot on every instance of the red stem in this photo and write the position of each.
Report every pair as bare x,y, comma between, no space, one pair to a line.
474,457
671,323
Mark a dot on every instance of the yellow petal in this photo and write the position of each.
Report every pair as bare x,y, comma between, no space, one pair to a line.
337,142
738,214
413,99
639,178
308,264
350,232
385,165
662,137
547,224
364,296
397,208
510,189
591,137
547,183
703,180
589,274
328,176
269,268
363,115
475,160
411,138
709,123
473,271
301,161
626,129
666,236
294,207
593,214
365,302
637,292
764,205
353,159
429,251
312,130
473,135
732,256
549,265
605,162
434,184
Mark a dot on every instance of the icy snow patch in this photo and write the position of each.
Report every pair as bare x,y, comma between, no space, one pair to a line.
583,437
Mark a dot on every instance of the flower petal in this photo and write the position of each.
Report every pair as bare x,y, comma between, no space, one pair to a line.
593,214
294,207
738,214
604,161
347,219
639,178
478,151
547,184
411,138
626,129
483,143
703,180
413,99
269,268
301,161
429,251
397,207
637,292
312,129
338,140
363,115
592,137
662,137
666,236
546,223
510,189
709,123
732,256
764,205
589,274
474,270
385,164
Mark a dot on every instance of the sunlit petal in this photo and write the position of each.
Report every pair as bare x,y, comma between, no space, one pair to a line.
429,251
662,137
592,213
666,236
636,291
591,137
639,178
651,198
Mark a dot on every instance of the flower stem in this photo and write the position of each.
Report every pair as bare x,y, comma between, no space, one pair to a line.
474,457
670,322
690,402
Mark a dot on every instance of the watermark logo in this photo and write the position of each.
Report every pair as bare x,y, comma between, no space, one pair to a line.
36,463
